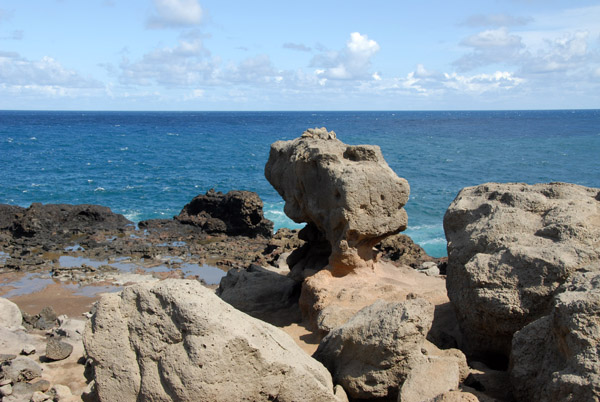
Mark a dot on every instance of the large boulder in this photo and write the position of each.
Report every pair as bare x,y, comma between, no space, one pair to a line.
10,315
176,340
237,213
348,192
510,247
372,354
557,357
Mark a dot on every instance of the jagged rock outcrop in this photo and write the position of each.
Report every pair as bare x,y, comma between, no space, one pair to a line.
373,353
510,248
176,340
237,213
557,357
348,192
62,220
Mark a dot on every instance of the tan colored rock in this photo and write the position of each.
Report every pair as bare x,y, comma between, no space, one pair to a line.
176,340
347,191
557,357
10,315
510,247
372,354
328,301
433,377
455,396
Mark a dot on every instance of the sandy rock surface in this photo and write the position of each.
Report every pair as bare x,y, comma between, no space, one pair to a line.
177,340
510,247
348,192
557,357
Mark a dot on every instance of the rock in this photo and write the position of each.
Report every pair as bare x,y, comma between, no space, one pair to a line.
57,349
6,390
60,393
348,192
61,220
40,397
510,247
373,353
557,357
20,369
46,319
258,291
70,328
401,249
10,314
178,341
430,378
28,350
237,213
327,301
456,396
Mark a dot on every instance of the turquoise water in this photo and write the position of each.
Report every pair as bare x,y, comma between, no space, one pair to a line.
150,164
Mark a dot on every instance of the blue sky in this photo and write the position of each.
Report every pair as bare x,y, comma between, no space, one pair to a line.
309,55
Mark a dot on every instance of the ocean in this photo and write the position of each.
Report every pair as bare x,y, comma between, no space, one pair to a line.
150,164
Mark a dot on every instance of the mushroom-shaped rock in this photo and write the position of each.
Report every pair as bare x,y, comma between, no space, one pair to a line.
348,192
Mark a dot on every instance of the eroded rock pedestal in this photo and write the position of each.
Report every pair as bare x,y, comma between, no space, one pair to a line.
347,192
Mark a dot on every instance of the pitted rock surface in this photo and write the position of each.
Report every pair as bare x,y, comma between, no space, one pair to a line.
510,247
347,191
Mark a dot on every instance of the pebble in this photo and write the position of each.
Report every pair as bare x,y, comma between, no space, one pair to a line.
57,349
28,350
6,390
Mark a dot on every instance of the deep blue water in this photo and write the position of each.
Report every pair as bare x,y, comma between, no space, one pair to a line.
150,164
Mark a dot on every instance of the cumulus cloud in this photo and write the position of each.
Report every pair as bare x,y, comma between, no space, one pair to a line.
480,83
351,63
495,20
187,63
175,14
18,71
296,46
490,47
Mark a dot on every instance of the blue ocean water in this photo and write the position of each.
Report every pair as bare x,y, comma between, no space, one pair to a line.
150,164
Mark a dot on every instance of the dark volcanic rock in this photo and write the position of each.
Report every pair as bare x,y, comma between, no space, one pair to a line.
59,219
57,349
237,213
402,249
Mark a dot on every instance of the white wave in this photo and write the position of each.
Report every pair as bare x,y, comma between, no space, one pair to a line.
133,216
173,134
437,240
124,149
99,189
33,139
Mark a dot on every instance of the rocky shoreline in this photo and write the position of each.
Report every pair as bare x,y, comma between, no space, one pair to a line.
510,315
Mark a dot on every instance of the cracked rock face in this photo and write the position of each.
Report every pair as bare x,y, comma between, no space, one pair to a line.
176,340
510,247
348,192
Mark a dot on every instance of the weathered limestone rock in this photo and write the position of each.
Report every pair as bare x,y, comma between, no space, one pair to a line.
10,314
433,377
373,353
347,191
20,369
328,301
257,291
237,213
176,340
510,247
557,357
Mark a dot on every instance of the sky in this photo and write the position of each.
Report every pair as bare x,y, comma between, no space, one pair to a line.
301,55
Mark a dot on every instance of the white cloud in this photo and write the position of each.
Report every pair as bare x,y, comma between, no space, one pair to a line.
175,13
46,72
490,47
351,63
297,46
480,83
495,20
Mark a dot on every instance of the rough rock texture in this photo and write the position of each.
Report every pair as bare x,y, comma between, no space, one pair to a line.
237,213
433,377
328,301
57,349
510,247
178,341
372,354
257,291
10,314
59,220
348,192
20,369
402,250
557,357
